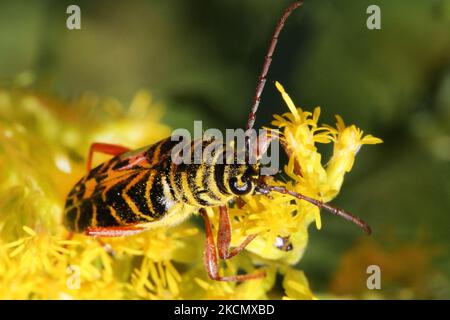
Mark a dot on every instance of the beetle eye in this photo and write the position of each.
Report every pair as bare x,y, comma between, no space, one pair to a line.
238,189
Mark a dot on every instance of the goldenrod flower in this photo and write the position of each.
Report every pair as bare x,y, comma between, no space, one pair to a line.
300,133
282,216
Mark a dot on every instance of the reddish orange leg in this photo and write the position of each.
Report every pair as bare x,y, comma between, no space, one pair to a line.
210,257
118,231
224,236
111,149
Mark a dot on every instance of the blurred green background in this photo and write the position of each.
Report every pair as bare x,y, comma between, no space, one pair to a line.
201,59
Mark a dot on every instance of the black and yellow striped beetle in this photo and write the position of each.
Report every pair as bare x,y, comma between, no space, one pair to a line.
145,188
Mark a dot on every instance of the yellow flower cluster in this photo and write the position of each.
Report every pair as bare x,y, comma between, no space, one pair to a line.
43,144
279,215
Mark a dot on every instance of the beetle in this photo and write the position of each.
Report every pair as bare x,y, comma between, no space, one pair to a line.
137,190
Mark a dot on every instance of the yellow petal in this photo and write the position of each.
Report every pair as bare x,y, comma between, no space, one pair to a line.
172,284
15,243
318,219
288,100
17,251
173,271
162,274
340,125
30,231
316,115
202,283
369,139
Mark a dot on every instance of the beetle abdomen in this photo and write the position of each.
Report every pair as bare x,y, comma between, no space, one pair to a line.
139,198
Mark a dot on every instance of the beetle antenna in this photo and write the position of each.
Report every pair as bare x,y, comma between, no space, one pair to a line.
262,76
264,188
267,60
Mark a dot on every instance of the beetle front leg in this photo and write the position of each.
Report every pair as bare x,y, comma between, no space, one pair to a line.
224,236
210,257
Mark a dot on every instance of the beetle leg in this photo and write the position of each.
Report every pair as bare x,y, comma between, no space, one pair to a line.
118,231
111,149
224,236
210,257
